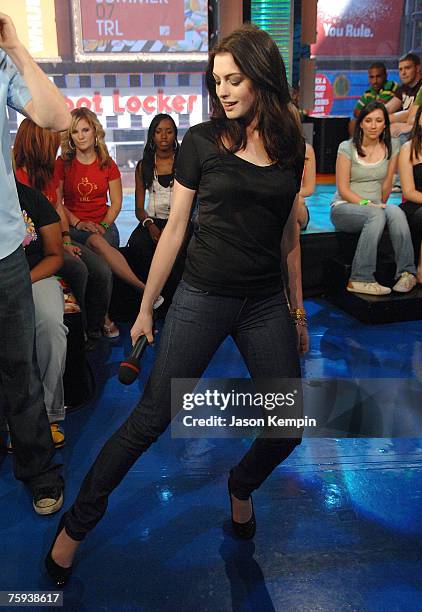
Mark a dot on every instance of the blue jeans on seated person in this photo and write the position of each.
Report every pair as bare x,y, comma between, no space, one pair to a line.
21,391
196,325
111,235
370,222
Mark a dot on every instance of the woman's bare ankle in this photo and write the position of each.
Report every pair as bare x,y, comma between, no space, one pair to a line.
64,549
242,509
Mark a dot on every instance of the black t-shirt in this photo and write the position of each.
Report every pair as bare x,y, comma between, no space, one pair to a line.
407,94
243,208
37,212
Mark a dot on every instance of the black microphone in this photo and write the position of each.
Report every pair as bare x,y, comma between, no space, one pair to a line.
129,368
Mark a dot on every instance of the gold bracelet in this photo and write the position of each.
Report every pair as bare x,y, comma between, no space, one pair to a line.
298,314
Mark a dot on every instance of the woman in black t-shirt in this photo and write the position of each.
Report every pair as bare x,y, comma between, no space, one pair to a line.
246,166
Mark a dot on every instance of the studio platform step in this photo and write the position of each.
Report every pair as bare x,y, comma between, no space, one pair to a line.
370,308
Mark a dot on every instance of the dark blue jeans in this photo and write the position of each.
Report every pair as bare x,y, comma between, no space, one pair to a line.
91,281
196,325
21,392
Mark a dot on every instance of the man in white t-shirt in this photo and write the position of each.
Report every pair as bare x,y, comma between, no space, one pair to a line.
24,87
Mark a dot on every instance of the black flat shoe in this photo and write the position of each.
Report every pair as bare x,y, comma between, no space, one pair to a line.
245,531
59,575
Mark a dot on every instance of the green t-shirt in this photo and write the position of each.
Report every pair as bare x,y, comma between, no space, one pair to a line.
385,94
418,98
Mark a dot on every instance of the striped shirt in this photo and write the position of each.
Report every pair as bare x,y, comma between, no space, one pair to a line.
385,94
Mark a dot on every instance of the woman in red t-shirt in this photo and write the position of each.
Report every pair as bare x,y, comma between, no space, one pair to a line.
87,176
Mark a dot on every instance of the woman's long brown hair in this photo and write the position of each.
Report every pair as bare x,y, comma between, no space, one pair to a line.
35,149
385,137
416,137
259,59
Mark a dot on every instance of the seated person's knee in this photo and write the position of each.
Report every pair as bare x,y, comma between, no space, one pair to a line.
96,242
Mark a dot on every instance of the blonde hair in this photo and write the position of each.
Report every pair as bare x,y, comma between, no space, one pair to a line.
68,146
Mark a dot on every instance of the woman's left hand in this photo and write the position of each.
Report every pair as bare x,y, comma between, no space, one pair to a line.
303,339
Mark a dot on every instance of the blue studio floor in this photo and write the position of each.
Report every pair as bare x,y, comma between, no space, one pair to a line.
339,523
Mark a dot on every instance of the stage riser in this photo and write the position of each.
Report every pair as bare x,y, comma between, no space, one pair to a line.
326,269
326,262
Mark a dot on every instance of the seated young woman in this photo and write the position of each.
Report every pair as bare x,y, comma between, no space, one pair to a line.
34,154
87,176
154,175
410,167
44,253
364,173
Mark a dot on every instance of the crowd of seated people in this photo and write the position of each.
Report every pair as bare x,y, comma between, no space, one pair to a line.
87,176
384,119
401,101
34,154
72,230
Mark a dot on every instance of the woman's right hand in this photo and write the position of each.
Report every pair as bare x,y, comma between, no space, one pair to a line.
88,226
142,327
154,232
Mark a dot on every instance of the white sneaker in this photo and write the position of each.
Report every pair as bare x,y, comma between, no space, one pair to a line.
405,283
368,288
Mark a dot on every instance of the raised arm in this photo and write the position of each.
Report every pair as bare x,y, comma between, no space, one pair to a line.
165,254
47,107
